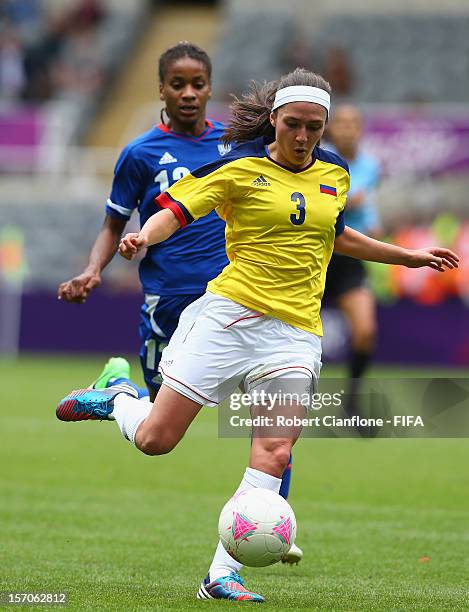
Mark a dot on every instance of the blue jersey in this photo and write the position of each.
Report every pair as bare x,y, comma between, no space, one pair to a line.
364,176
147,166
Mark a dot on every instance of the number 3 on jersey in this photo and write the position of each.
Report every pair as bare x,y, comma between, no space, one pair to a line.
299,217
163,178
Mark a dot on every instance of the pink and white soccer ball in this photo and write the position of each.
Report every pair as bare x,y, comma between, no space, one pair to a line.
257,527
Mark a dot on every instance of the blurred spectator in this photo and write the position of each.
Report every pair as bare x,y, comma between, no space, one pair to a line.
62,58
38,61
298,53
78,71
24,15
12,72
338,72
84,15
335,64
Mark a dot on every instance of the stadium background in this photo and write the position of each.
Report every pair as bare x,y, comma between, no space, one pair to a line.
78,79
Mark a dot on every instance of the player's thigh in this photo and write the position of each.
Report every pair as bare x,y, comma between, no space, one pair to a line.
209,353
287,361
159,318
168,421
359,307
343,275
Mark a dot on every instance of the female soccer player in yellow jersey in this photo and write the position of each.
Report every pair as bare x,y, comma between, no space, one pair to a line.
258,324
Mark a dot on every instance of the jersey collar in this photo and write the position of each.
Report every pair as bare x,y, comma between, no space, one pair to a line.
286,167
208,128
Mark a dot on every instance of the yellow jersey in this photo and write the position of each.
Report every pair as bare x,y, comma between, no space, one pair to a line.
280,227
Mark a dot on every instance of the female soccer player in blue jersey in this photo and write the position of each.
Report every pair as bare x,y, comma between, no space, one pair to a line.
258,324
175,273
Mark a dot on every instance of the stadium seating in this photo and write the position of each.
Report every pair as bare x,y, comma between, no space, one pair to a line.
243,54
394,58
401,58
65,61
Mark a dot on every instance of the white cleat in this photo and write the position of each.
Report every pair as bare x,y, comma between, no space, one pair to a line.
293,556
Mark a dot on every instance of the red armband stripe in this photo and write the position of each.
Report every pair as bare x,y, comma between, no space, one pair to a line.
182,214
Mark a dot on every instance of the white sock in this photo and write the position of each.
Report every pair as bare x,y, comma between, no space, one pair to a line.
129,412
223,564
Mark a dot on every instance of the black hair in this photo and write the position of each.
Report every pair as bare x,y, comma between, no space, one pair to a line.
179,51
250,116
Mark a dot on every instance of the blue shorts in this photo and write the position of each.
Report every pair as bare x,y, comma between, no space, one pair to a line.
159,317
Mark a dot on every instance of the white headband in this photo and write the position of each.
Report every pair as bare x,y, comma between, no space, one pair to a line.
302,93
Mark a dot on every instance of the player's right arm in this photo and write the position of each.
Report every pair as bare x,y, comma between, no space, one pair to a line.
192,197
77,289
159,227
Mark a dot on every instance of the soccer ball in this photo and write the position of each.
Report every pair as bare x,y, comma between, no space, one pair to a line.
257,527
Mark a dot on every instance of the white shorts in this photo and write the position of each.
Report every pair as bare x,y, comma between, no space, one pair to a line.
220,345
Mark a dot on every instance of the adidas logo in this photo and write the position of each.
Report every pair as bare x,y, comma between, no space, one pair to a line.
167,158
260,182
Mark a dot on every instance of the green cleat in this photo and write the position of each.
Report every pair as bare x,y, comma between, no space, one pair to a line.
116,367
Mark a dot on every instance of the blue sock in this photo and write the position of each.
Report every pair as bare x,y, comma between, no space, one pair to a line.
142,391
286,476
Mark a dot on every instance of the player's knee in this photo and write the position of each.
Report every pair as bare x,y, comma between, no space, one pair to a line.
159,443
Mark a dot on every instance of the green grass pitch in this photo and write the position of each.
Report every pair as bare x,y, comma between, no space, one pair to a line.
384,523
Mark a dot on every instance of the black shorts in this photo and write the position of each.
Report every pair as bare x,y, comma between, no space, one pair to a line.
343,274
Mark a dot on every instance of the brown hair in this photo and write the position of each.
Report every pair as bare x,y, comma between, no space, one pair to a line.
251,113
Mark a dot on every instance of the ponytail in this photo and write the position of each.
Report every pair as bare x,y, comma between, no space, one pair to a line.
251,113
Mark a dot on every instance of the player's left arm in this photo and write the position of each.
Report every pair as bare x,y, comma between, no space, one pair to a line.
354,244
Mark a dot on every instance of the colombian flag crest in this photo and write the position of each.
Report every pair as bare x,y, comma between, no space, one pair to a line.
328,189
